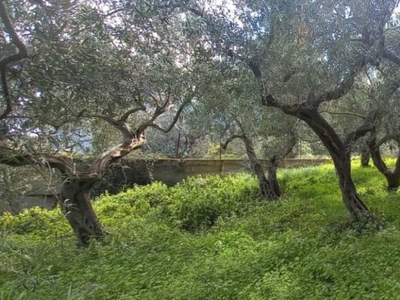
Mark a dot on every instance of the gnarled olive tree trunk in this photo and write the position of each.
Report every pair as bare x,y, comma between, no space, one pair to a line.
392,175
340,154
272,169
78,209
268,188
365,156
75,191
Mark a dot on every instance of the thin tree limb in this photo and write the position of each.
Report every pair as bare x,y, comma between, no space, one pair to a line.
6,95
58,162
348,113
386,138
367,126
224,145
126,115
22,50
391,56
120,125
341,89
21,53
150,123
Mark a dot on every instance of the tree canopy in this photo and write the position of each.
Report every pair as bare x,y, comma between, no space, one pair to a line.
85,82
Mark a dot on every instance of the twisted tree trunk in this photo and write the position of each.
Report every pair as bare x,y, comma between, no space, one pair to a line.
268,189
340,154
365,156
272,176
78,209
76,189
75,192
392,175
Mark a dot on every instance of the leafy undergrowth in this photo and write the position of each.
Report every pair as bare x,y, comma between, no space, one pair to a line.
211,238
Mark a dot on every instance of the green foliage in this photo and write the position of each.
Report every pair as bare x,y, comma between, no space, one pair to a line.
198,202
300,247
192,205
40,222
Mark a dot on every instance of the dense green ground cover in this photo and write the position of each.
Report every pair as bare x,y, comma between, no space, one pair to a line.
210,238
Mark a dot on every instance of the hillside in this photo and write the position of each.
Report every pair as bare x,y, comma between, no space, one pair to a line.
211,238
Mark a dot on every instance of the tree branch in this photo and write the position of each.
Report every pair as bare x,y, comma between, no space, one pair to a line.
123,127
290,146
126,115
341,89
344,113
376,155
196,11
53,161
361,131
151,123
386,138
22,52
391,56
6,95
269,100
230,139
255,68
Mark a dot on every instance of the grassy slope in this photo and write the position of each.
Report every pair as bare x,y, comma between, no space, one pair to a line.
296,248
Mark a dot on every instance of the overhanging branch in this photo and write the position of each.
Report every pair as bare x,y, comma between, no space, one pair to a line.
367,126
346,113
391,56
224,145
387,138
341,89
122,126
150,123
6,95
22,52
126,115
53,161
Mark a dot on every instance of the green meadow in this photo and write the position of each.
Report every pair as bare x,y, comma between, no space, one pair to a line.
213,238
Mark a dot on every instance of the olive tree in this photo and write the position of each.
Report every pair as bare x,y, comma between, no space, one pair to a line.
303,55
120,63
385,97
227,109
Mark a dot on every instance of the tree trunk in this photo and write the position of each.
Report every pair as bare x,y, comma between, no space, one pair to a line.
272,177
341,159
78,209
392,176
75,192
365,156
393,180
266,187
350,196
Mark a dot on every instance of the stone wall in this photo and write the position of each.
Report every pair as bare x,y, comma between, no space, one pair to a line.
171,171
168,171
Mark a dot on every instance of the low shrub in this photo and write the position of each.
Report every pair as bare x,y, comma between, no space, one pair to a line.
37,221
198,202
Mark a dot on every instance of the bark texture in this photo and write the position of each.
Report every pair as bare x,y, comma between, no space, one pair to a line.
392,175
75,192
272,176
268,189
365,157
78,209
340,154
